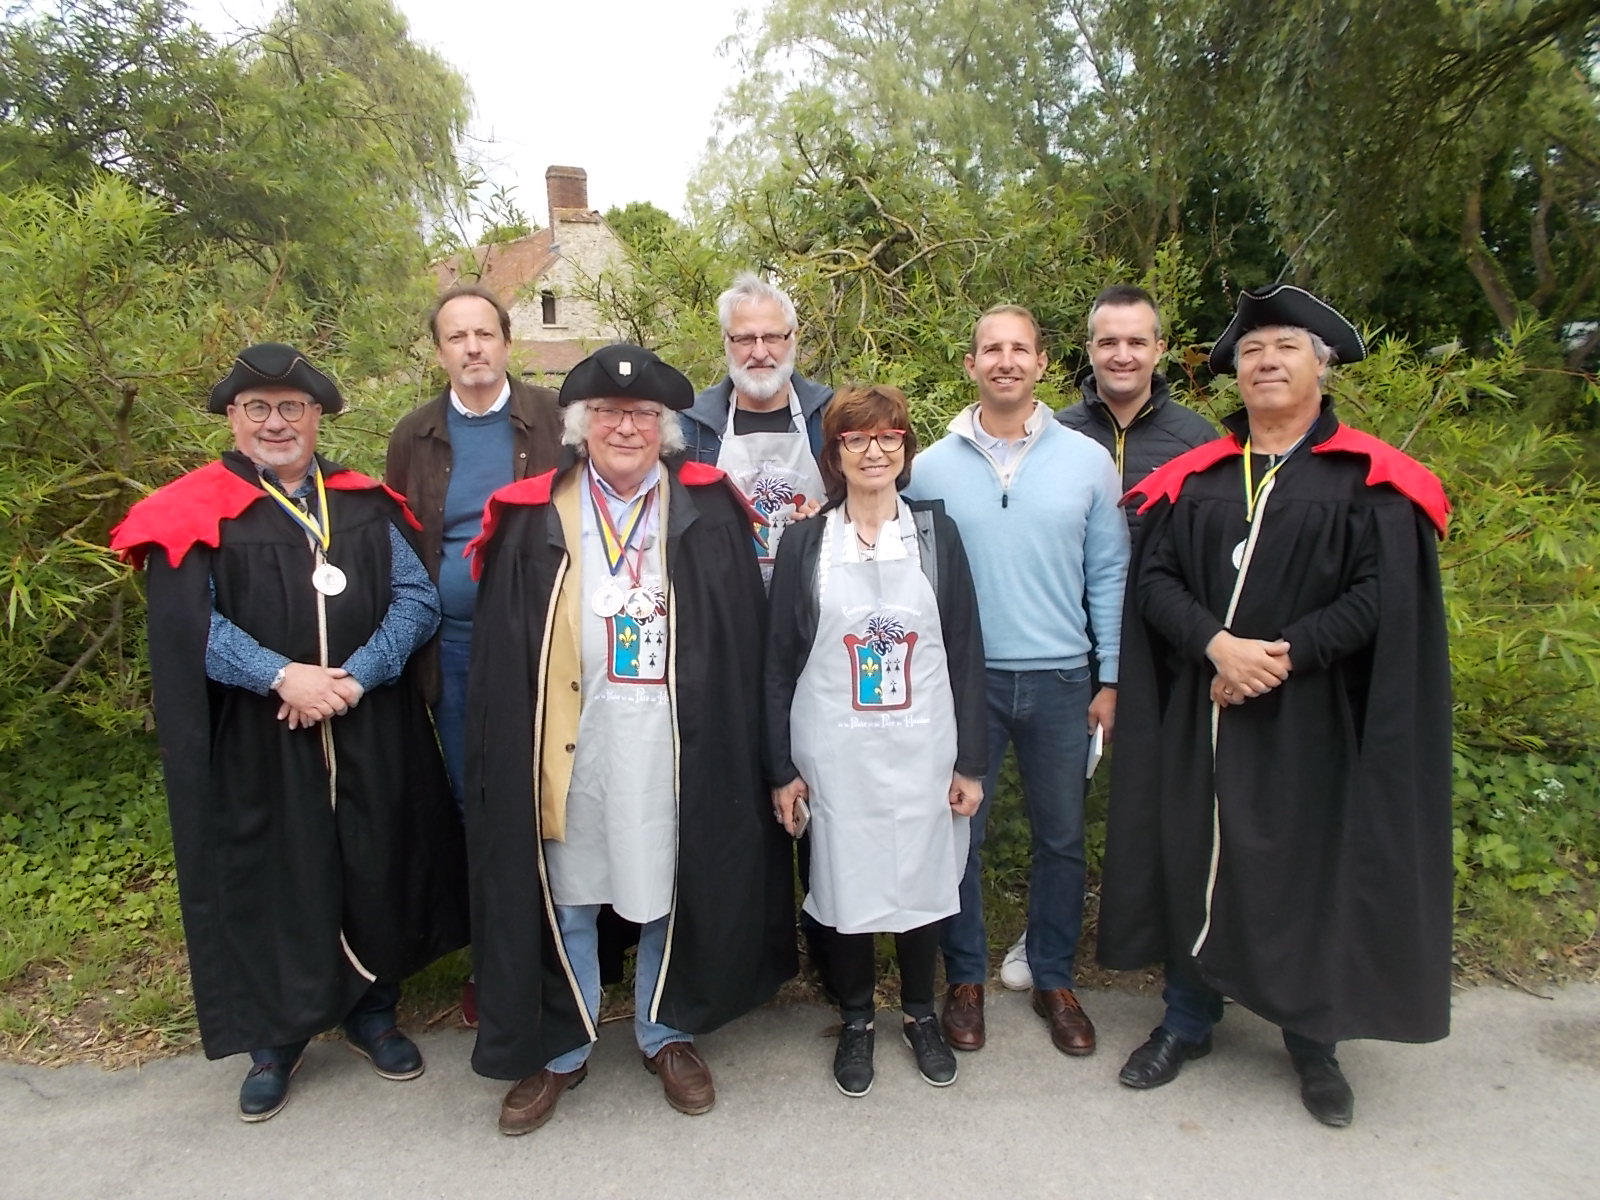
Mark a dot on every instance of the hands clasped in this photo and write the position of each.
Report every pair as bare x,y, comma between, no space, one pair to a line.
1246,667
312,693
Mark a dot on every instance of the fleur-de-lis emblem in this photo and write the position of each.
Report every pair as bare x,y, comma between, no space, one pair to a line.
627,636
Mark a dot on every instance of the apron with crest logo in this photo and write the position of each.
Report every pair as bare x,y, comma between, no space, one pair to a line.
874,736
776,472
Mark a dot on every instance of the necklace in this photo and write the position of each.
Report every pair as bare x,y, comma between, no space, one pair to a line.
869,550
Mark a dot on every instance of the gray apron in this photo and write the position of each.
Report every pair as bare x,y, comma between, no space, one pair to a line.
776,472
874,736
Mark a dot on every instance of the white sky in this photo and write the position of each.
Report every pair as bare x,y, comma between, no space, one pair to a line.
632,86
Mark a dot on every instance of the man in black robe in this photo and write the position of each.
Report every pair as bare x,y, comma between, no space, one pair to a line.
1279,827
319,858
619,549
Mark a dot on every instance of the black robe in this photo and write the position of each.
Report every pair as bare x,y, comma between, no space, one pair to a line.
731,936
1331,908
269,871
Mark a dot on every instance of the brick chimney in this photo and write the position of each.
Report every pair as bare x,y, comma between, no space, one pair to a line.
566,188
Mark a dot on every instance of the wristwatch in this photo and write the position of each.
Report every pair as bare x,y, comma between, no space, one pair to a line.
277,680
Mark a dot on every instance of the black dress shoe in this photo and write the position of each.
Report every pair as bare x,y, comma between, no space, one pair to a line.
1160,1059
266,1087
1325,1092
392,1054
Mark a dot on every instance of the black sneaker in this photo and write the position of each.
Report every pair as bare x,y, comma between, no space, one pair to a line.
935,1060
852,1060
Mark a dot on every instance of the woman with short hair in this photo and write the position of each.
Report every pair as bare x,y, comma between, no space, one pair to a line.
875,721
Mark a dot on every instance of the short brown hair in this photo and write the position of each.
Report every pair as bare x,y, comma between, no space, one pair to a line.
468,289
1009,310
872,406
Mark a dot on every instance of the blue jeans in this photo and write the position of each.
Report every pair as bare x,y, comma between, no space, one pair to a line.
450,714
1194,1007
1045,715
579,932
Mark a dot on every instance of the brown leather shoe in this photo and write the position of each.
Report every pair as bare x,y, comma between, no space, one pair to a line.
533,1101
684,1077
1070,1028
962,1019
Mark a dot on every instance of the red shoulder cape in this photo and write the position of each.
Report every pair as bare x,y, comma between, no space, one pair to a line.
1387,466
190,511
536,489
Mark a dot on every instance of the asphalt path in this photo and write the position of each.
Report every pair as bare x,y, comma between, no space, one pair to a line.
1506,1107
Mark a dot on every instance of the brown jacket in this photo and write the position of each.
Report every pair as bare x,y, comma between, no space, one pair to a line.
418,467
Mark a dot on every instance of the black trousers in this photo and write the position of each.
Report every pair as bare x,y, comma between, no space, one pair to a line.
852,970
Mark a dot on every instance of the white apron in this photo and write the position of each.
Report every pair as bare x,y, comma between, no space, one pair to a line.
874,735
622,823
776,472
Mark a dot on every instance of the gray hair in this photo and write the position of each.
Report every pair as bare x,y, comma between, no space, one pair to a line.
575,429
749,286
1324,352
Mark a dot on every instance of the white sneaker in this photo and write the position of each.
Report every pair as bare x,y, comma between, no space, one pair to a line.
1014,972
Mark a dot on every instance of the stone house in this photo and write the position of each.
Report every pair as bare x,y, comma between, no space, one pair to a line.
541,278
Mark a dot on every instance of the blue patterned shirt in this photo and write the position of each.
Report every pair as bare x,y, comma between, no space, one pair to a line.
236,659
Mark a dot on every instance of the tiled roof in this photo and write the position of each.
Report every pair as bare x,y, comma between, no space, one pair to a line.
505,268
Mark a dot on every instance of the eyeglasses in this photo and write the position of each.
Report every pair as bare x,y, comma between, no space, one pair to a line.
889,440
259,410
611,418
770,340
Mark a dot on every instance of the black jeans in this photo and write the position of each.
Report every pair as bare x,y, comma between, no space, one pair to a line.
852,967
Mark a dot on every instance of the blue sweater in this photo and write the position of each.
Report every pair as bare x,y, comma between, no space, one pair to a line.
481,450
1040,543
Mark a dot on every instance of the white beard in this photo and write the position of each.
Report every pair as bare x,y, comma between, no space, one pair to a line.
764,386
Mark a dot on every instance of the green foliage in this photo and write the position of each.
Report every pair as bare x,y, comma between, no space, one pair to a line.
1527,859
92,932
194,198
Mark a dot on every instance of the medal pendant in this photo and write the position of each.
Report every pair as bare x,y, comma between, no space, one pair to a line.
640,605
1238,555
607,600
329,580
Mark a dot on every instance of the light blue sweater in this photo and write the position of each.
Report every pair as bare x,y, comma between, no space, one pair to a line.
1040,542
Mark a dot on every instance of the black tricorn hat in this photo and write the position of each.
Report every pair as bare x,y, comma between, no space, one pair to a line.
1285,304
626,372
274,365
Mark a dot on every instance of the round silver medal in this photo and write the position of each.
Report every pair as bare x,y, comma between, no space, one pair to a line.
641,605
607,600
329,580
1238,556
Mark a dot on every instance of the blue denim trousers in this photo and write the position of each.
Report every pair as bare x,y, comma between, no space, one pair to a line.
1194,1008
450,714
1044,714
578,923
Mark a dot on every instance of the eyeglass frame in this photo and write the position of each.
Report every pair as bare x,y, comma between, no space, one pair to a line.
274,408
871,439
748,341
608,417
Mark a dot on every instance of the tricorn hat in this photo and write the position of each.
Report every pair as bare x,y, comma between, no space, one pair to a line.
1285,304
274,365
626,372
